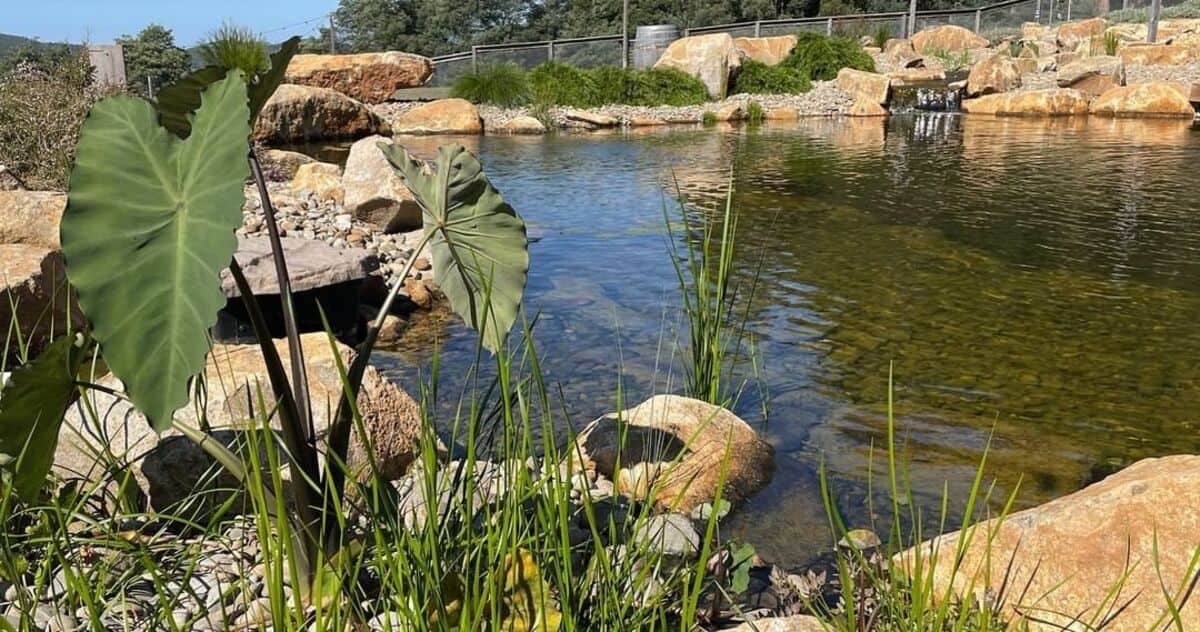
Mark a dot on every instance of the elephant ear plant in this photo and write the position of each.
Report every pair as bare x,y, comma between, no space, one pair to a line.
155,199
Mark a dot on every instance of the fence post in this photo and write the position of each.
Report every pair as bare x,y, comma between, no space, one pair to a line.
1152,24
978,19
829,27
474,59
1037,12
758,28
550,50
1068,10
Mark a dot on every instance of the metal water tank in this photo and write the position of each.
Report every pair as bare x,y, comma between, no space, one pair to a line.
650,42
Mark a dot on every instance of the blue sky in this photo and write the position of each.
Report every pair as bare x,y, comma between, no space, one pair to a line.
100,21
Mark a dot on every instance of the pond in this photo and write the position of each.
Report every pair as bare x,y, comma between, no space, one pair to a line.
1029,281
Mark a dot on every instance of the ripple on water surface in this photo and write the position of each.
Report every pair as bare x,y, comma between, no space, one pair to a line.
1036,281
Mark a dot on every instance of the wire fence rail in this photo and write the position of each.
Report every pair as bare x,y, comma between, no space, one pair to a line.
992,21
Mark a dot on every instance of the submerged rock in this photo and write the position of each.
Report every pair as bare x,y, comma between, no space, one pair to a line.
1138,528
675,447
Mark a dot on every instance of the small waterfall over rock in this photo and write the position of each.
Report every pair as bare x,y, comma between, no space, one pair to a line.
928,96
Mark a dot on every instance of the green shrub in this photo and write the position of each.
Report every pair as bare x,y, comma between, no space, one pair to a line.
664,86
759,78
755,112
233,46
611,84
709,119
555,83
820,57
559,84
1183,11
881,35
504,85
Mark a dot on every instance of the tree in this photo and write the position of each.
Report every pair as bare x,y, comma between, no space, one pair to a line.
153,59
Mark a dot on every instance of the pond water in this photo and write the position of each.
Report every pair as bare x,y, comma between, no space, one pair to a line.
1033,281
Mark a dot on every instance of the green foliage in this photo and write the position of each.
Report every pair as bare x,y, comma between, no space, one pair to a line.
881,35
759,78
1111,44
41,110
31,412
232,46
755,112
476,240
820,57
504,85
556,83
666,86
151,57
1183,11
37,56
165,209
709,119
951,61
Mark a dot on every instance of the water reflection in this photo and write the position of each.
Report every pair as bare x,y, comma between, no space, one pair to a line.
1035,282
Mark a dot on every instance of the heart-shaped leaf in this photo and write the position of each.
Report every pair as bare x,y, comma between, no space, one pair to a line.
177,102
32,406
477,241
149,226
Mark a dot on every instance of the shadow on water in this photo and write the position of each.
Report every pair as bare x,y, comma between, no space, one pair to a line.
1038,280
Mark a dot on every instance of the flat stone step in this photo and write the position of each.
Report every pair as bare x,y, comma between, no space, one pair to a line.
311,265
422,94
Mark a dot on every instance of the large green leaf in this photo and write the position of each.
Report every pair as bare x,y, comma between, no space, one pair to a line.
176,103
149,225
32,406
477,241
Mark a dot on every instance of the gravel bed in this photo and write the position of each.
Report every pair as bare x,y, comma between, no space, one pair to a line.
304,216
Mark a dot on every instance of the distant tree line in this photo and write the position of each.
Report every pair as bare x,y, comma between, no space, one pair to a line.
436,27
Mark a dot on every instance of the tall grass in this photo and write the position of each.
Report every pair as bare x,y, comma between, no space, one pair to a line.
503,85
233,46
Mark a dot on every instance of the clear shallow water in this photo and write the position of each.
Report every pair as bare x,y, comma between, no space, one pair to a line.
1038,281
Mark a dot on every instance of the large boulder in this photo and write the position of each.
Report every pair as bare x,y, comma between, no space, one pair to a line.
1092,76
1134,533
709,58
912,76
1156,99
865,86
1158,55
444,116
901,54
867,108
676,448
320,179
998,73
947,39
374,192
1072,34
31,217
367,77
1050,102
296,114
765,50
34,296
169,468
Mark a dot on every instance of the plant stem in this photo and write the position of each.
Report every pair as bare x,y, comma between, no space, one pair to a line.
299,373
